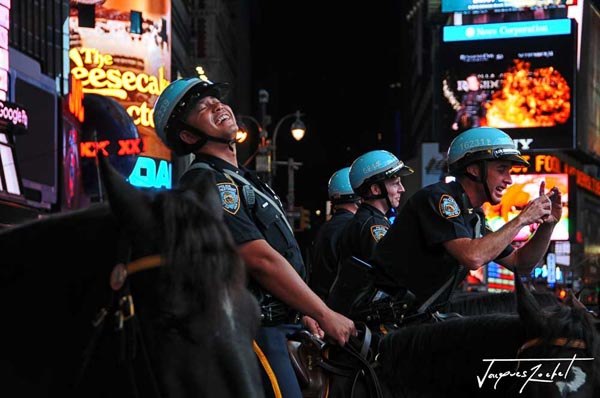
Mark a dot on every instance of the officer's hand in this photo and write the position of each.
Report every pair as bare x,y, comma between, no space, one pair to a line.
555,198
338,327
312,326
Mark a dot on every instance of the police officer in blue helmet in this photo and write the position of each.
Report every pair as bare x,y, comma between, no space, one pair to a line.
191,118
376,177
443,226
325,249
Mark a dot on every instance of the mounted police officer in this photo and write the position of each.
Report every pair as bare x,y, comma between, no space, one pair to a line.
376,177
443,226
190,118
325,249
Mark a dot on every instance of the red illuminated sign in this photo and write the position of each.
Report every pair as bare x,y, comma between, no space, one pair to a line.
133,146
76,99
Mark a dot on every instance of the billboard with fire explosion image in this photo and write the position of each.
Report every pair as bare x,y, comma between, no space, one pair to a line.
524,188
516,76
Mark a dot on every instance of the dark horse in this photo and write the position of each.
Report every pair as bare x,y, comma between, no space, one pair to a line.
179,323
539,352
491,303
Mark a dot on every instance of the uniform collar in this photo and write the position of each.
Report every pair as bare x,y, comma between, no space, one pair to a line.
215,162
463,199
370,208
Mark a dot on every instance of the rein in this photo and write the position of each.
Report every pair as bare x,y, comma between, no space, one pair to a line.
122,309
558,342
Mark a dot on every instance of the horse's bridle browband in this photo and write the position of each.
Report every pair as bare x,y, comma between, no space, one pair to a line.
144,263
121,271
559,342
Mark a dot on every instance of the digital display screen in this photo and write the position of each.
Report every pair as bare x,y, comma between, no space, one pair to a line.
515,76
526,187
475,6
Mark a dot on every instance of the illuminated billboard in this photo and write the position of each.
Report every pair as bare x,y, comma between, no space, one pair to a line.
589,118
122,50
478,6
516,76
526,187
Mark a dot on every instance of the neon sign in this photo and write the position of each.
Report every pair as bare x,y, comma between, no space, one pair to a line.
113,82
76,99
132,67
14,114
125,147
552,164
147,174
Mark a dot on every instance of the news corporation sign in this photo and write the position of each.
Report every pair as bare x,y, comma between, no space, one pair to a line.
131,64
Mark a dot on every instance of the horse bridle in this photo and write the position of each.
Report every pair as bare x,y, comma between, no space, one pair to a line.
558,342
121,308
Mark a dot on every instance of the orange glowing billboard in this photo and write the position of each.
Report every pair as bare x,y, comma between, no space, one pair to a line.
524,188
515,76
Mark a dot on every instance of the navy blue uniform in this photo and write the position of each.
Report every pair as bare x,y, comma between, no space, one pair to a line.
411,254
249,216
325,252
353,289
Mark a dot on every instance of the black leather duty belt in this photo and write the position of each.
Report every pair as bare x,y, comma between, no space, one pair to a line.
276,313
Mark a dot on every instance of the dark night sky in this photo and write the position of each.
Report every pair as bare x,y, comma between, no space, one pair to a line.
335,64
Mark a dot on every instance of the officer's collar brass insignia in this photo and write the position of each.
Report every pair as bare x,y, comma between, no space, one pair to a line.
448,206
230,197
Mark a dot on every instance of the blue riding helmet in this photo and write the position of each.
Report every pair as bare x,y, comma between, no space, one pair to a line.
375,166
339,188
482,143
174,101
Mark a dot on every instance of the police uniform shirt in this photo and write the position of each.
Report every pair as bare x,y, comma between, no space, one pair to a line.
325,252
363,232
433,215
246,221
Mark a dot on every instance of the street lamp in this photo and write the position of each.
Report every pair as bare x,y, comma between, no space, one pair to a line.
298,129
243,132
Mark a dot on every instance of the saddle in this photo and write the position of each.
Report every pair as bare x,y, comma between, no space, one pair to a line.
317,363
306,354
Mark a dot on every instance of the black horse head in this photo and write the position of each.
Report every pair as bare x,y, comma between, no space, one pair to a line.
178,322
495,354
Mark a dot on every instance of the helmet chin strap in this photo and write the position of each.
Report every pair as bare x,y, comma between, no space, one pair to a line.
383,195
483,179
205,137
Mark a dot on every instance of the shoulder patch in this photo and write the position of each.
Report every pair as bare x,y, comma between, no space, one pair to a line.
230,197
448,207
377,231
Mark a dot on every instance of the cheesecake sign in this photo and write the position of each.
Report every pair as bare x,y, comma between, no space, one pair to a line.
122,58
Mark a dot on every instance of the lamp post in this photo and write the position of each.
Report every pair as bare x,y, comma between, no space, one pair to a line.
298,129
266,153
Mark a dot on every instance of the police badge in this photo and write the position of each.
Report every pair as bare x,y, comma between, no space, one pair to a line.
230,197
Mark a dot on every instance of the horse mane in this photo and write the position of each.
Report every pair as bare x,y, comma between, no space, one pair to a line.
503,302
430,354
196,236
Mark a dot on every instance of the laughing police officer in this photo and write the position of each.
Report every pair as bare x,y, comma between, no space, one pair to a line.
190,118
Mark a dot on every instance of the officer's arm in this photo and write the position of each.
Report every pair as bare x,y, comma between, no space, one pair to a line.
475,253
276,275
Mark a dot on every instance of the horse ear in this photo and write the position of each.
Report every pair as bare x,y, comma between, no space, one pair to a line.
126,202
527,306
